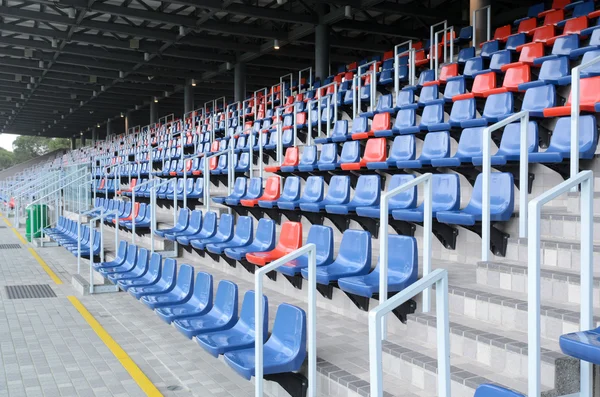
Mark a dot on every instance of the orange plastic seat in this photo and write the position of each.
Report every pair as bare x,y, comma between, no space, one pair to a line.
131,186
501,34
271,192
588,98
420,58
291,159
553,17
528,53
513,77
214,161
133,214
527,26
556,5
381,122
214,147
102,182
375,151
572,26
482,83
448,70
290,239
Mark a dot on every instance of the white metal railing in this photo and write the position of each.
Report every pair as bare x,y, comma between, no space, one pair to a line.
230,175
150,183
431,39
356,97
575,105
153,190
424,179
311,251
100,217
585,179
523,117
488,10
444,32
411,64
282,81
310,78
439,278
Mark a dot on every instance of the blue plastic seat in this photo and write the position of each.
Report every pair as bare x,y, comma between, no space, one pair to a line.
406,199
497,107
149,278
445,197
194,226
489,390
435,145
583,345
120,257
432,118
328,159
405,123
560,141
308,160
289,330
429,95
220,317
208,229
593,44
510,144
242,237
134,256
199,303
403,148
181,293
350,152
322,238
337,193
198,191
514,41
403,268
488,48
593,70
465,54
554,71
454,86
243,164
253,191
473,66
537,99
241,335
290,193
223,234
140,268
366,194
469,146
239,190
464,36
501,202
164,284
264,240
563,46
405,99
312,192
384,105
353,258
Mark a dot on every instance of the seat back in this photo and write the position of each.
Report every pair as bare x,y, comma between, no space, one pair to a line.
502,32
360,124
291,189
406,199
289,330
436,145
309,155
292,157
539,98
244,228
563,45
355,250
239,187
498,105
339,189
588,56
328,154
405,118
169,272
483,82
511,139
381,121
185,278
463,110
554,68
226,299
405,98
340,128
499,59
322,238
313,189
265,233
384,102
403,148
154,268
254,189
470,144
290,237
367,191
515,76
247,320
473,65
501,194
454,87
272,189
403,259
432,114
209,223
225,227
446,192
350,152
428,94
560,140
375,150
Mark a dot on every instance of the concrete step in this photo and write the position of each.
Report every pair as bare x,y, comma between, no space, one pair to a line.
508,309
556,286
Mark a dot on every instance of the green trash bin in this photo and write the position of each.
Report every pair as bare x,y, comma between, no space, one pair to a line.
37,219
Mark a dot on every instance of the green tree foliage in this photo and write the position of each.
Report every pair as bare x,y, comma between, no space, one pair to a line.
27,147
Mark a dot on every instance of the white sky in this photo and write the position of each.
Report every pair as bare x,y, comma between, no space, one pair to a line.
6,141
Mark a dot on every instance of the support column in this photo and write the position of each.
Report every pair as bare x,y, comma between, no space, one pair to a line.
94,135
239,82
481,28
153,111
82,139
73,143
127,120
188,98
322,46
109,129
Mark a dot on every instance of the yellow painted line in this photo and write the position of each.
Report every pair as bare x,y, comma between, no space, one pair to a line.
16,232
44,266
6,221
130,366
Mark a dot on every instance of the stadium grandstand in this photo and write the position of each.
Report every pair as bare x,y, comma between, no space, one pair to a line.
301,198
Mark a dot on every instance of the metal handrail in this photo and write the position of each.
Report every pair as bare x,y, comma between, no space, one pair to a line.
411,65
431,34
311,251
310,79
92,235
439,278
523,116
79,215
383,240
151,181
437,55
489,23
153,190
373,85
585,179
575,107
206,175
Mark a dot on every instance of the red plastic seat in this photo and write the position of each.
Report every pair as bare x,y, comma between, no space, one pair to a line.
572,26
500,34
542,35
375,151
290,239
134,213
381,121
102,182
556,5
448,70
291,159
420,58
527,26
589,96
482,83
128,189
271,192
214,147
513,77
213,162
528,53
553,17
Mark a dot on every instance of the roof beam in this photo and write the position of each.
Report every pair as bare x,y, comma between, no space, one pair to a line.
385,30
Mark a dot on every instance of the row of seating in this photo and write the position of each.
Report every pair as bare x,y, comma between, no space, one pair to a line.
68,235
187,303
